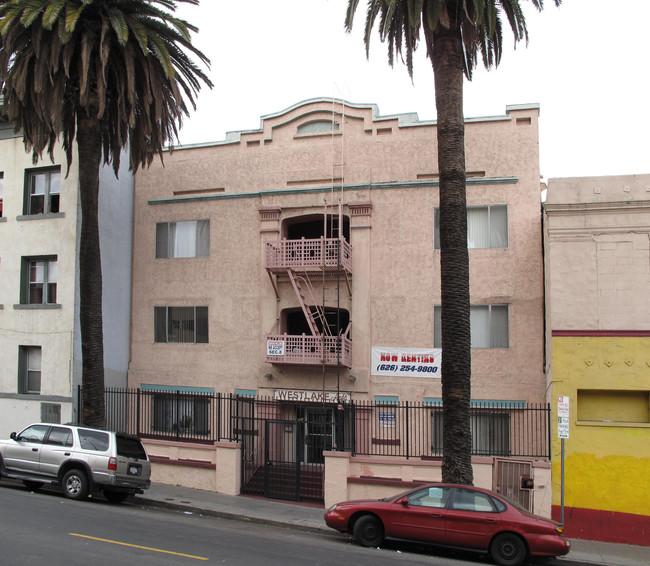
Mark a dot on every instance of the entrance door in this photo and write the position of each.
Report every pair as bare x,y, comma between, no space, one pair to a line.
318,433
281,469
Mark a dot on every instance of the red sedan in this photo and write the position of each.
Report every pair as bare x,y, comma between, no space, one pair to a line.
456,516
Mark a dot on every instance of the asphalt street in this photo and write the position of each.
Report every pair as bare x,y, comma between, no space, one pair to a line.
45,528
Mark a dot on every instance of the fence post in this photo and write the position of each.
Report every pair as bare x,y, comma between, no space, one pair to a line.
218,431
178,415
353,437
548,429
408,436
79,404
137,411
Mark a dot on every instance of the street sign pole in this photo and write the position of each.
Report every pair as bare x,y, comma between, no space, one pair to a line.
563,434
562,486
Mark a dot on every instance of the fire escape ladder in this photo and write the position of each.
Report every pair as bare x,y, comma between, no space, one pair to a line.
313,312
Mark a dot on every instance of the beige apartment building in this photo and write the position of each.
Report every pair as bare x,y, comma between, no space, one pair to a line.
40,344
298,263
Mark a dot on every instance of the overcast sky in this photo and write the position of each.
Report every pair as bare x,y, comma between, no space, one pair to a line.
586,64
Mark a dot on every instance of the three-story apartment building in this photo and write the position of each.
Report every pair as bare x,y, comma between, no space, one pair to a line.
40,350
300,262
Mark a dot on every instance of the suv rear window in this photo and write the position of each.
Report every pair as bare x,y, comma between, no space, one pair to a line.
130,447
93,440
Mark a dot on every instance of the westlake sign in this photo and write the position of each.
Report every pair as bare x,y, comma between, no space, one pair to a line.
299,396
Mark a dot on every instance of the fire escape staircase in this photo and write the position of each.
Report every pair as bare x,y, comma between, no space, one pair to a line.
297,259
315,313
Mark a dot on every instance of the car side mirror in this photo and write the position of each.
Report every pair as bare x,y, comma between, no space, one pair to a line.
404,501
12,436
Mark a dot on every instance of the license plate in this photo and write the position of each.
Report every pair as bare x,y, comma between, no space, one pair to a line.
135,470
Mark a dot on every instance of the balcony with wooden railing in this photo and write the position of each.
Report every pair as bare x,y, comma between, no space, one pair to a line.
313,255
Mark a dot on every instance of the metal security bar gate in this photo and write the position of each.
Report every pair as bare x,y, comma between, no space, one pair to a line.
283,459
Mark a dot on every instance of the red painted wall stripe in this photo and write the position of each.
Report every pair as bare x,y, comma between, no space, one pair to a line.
606,526
603,333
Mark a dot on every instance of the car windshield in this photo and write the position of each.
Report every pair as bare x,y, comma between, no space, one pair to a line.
396,497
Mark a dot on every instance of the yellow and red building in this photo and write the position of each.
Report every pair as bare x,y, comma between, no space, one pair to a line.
597,233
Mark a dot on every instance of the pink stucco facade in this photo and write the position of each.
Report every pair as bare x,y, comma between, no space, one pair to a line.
382,170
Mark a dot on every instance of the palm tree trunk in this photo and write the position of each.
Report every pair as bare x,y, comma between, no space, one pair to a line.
454,258
90,270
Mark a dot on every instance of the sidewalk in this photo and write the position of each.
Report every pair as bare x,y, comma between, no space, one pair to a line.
310,518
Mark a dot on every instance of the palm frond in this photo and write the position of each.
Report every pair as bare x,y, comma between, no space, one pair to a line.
478,23
126,62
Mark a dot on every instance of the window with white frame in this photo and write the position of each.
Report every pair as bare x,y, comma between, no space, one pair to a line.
39,280
42,191
488,326
190,238
181,325
29,369
487,227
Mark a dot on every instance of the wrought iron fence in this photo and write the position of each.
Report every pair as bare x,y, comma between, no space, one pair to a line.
406,429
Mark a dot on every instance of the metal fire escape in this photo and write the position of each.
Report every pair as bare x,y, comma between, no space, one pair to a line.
304,263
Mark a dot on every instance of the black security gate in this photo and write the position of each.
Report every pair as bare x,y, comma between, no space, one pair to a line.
283,459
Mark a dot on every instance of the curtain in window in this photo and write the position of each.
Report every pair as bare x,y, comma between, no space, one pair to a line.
479,321
36,275
478,235
490,433
489,326
37,193
499,326
33,370
498,226
203,238
185,239
437,327
52,272
55,190
181,413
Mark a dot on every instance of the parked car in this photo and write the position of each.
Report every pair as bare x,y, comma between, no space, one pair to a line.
81,460
455,516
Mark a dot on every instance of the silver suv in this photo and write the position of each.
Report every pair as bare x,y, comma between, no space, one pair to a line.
79,459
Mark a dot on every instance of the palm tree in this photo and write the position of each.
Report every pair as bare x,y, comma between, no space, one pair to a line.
454,32
105,74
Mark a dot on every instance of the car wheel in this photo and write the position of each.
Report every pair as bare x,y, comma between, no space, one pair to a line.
113,496
507,549
368,531
75,485
33,485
